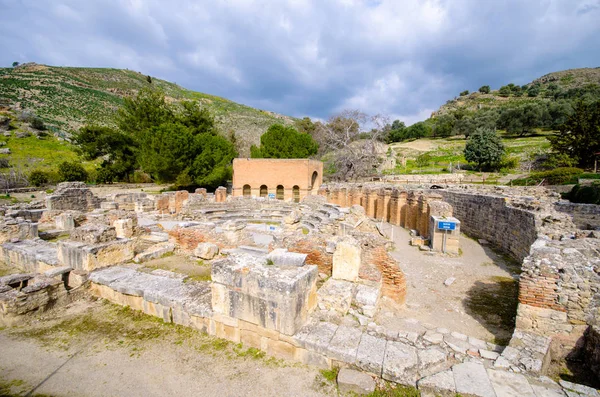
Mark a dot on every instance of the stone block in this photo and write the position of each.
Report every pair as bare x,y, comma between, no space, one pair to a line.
65,222
509,384
344,344
278,298
85,257
317,337
335,295
109,205
471,379
154,252
347,260
438,385
206,251
281,257
93,233
366,298
370,354
356,382
124,228
400,364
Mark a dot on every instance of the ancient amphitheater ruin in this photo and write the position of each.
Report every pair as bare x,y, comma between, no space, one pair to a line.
323,281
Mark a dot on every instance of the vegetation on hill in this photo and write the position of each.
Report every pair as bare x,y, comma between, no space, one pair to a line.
280,142
68,98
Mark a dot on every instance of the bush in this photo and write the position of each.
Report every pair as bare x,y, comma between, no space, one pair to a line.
484,89
464,93
37,123
558,160
104,175
141,177
38,178
584,194
72,172
558,176
509,163
4,163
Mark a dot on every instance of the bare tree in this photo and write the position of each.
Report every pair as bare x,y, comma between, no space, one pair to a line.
350,151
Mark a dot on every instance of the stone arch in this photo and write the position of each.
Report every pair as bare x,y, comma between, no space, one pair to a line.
264,191
246,191
280,192
296,193
313,179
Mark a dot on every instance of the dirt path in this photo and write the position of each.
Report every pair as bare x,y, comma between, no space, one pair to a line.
78,352
481,302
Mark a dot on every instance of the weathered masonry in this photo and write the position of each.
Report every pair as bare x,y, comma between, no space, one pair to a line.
283,179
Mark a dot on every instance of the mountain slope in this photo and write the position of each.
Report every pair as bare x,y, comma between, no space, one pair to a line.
67,98
547,86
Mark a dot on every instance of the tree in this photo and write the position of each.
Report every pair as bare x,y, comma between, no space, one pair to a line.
396,132
522,120
579,137
15,64
149,79
281,142
464,93
117,150
484,89
485,149
72,172
305,126
504,91
418,130
444,125
147,109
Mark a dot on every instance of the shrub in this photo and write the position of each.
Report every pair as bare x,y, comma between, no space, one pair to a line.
464,93
37,123
584,194
509,163
4,163
484,89
105,175
38,178
72,172
141,177
558,160
558,176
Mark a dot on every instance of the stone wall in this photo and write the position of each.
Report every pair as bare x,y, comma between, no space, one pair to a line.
585,216
491,217
410,209
72,196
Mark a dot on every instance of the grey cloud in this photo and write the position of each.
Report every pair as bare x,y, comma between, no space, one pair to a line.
311,57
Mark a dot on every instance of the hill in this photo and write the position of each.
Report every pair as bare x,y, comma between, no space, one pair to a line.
562,84
66,98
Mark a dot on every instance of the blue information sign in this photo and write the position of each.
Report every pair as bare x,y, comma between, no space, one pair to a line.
271,195
446,225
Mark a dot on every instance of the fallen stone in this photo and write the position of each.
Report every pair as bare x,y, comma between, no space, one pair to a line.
352,381
206,251
281,257
488,355
545,387
400,363
449,281
509,384
585,390
471,379
57,271
335,295
458,345
370,354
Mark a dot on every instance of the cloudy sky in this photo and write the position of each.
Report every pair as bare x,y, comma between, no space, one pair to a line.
403,58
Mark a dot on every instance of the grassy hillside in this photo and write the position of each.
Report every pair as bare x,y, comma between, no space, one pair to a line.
67,98
549,86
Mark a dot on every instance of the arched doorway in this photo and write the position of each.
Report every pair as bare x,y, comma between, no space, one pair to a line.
296,193
313,179
264,191
280,192
246,191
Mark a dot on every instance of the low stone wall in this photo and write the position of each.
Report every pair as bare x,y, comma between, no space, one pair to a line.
433,178
72,196
585,216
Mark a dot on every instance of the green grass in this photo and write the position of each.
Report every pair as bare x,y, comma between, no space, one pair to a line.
330,374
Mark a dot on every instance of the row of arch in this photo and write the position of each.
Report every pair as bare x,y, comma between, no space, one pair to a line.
279,192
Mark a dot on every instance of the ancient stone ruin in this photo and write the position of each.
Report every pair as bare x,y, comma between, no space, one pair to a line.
309,279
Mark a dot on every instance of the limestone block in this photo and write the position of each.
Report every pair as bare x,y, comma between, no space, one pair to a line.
347,260
77,278
279,298
124,228
431,360
366,298
344,344
86,257
400,363
154,252
471,379
509,384
335,295
65,222
206,251
93,233
109,205
438,385
370,354
356,382
281,257
318,336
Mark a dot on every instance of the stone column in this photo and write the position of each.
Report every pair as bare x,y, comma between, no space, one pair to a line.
221,194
